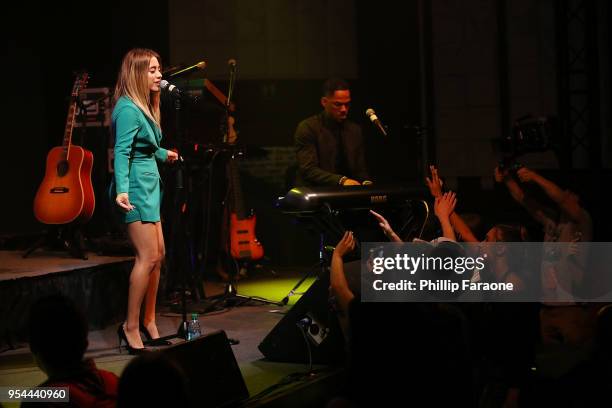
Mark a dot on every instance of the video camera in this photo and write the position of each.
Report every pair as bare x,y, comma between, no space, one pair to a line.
509,163
529,135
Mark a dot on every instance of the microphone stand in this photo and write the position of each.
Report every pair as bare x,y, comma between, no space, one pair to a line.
182,262
230,294
178,228
228,101
216,151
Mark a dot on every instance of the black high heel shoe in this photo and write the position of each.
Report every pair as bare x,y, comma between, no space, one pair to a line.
130,349
150,340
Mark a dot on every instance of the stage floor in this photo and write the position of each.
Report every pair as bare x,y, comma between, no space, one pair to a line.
14,266
248,323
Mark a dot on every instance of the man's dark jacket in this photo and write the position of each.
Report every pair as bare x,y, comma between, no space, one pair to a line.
327,151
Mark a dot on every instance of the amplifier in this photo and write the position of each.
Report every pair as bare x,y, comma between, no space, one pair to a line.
97,107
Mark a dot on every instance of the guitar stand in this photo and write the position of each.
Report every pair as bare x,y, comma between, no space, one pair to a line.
264,267
231,297
73,243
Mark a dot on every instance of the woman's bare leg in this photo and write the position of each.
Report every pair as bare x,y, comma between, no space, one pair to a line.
151,296
145,241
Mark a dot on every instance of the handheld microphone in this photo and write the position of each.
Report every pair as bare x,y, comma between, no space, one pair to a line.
232,79
171,89
232,64
372,116
184,71
176,93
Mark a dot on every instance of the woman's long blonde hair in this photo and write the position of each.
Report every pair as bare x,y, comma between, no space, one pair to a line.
133,83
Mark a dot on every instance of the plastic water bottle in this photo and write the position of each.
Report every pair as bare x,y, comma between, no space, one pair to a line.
193,329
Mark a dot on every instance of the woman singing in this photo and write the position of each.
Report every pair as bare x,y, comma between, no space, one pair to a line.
136,126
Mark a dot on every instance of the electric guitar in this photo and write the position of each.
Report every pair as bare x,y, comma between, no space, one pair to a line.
66,193
243,242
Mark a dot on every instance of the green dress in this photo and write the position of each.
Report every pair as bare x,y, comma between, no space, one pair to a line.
137,147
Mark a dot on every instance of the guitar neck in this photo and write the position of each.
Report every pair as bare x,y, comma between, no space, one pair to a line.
239,207
79,83
69,127
212,88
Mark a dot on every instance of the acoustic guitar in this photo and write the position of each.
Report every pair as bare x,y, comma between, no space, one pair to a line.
66,193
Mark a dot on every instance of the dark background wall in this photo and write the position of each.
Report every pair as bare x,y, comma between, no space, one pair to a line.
444,65
44,44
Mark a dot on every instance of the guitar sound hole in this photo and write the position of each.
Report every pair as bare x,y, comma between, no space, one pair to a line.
62,168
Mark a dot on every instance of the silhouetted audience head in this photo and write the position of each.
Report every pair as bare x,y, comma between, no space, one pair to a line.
506,233
440,255
153,379
57,333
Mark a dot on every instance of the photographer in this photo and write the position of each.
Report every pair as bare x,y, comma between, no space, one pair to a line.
565,223
564,271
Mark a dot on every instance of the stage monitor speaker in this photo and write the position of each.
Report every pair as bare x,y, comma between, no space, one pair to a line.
312,315
211,368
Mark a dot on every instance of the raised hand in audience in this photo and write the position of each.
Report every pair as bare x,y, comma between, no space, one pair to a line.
445,204
526,175
434,183
338,282
501,174
443,208
384,225
345,245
